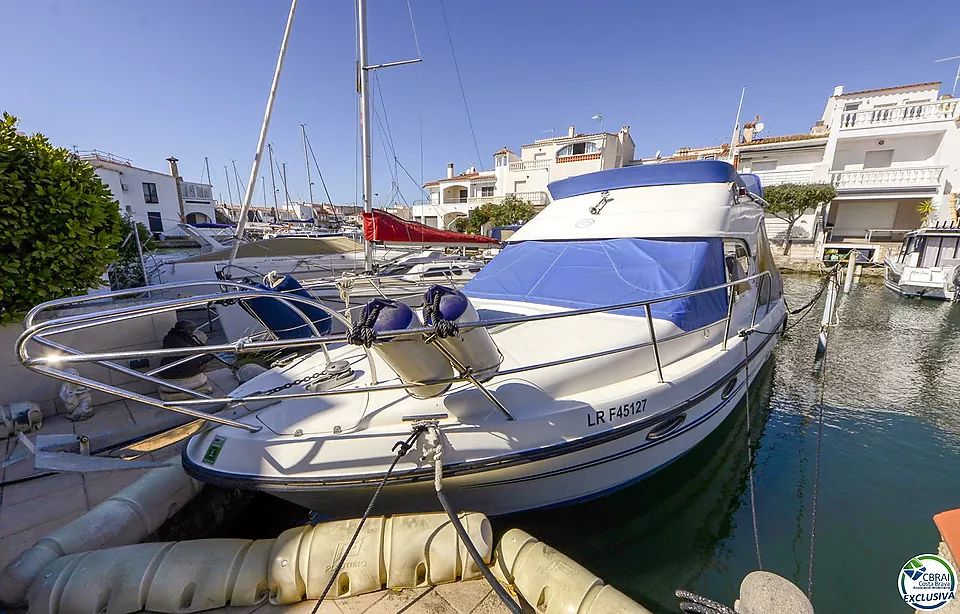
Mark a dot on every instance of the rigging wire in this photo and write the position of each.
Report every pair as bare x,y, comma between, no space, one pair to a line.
320,174
416,40
460,81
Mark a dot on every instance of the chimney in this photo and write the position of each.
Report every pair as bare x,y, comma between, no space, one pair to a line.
570,131
450,170
748,132
838,91
174,171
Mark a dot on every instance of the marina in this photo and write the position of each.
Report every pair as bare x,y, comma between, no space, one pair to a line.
589,379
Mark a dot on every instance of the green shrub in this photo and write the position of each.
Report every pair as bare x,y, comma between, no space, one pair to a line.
58,223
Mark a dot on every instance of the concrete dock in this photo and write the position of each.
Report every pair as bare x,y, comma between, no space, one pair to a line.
31,509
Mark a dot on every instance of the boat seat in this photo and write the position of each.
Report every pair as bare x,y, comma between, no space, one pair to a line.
282,320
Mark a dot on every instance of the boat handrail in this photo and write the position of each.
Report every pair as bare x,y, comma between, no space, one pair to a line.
46,364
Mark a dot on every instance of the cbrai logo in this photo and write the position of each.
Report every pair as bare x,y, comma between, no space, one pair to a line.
927,582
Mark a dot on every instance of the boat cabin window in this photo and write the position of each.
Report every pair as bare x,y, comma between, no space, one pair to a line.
938,249
736,259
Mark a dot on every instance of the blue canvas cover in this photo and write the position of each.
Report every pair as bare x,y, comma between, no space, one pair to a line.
585,274
645,175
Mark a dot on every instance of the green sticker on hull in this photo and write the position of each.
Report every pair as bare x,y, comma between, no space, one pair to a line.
214,450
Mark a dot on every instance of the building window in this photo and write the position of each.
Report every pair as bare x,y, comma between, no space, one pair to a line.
878,158
486,191
763,165
150,193
154,219
851,106
577,149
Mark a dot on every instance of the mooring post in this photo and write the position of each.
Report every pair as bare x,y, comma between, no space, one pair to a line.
851,269
830,304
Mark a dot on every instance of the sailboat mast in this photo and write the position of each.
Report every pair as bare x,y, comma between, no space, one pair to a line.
226,175
206,165
306,160
236,177
286,190
248,197
273,183
365,124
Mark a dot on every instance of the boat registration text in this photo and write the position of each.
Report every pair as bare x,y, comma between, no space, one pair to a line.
596,417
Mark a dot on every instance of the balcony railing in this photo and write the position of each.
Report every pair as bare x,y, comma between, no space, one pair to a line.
778,177
899,115
534,198
926,176
530,165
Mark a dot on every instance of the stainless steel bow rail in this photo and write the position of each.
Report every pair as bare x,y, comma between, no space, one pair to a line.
53,364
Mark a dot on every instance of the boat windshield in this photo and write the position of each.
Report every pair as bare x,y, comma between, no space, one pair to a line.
596,273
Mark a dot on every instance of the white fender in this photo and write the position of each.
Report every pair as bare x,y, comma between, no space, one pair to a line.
554,583
127,517
191,576
362,572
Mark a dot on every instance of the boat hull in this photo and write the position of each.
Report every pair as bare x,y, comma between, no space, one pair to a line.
541,479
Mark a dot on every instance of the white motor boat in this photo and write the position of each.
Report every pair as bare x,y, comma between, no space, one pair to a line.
613,333
928,264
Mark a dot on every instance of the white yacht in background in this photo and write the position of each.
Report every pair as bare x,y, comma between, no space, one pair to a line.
928,264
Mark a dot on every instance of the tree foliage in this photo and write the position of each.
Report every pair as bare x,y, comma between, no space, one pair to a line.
512,210
788,201
58,223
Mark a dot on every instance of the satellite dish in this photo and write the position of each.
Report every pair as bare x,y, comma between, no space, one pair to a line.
758,127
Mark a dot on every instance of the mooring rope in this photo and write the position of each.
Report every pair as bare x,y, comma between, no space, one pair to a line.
401,448
698,604
434,445
745,335
816,477
432,314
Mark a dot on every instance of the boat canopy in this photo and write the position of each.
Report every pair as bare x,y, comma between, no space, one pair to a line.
594,273
646,175
384,227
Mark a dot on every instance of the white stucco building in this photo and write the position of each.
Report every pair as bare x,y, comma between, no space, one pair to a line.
884,150
155,199
525,175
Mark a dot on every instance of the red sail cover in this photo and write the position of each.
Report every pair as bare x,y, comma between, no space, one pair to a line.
384,227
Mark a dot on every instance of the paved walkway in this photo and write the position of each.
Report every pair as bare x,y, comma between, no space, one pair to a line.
473,597
32,509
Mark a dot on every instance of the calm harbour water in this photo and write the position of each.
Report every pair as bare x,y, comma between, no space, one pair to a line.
890,460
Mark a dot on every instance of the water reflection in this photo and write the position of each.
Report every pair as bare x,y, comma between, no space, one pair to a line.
889,461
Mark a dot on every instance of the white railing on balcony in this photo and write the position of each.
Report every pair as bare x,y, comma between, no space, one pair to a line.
900,114
926,176
534,198
778,177
530,165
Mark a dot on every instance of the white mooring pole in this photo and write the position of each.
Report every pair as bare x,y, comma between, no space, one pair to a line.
851,269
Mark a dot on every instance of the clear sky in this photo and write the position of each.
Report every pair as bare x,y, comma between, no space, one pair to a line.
190,78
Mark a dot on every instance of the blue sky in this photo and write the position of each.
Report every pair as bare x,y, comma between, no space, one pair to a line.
189,78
